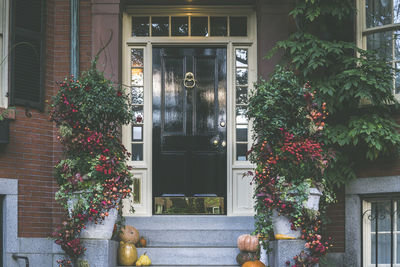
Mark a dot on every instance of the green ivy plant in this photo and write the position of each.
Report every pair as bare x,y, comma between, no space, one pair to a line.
356,86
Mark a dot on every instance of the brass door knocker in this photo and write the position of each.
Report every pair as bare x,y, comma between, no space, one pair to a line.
189,81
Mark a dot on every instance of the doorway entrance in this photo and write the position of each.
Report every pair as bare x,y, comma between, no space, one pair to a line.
189,130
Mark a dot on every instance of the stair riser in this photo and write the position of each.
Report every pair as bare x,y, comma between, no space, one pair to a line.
191,256
192,238
191,222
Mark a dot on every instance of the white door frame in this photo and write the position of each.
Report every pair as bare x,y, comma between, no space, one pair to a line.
239,191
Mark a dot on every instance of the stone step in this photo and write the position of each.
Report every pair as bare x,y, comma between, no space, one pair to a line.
194,222
188,265
192,238
206,256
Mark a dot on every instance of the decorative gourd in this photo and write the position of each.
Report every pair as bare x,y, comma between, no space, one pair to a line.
255,263
243,256
144,260
129,234
247,243
127,254
283,237
142,242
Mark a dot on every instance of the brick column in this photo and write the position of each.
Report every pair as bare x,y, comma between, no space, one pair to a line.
106,22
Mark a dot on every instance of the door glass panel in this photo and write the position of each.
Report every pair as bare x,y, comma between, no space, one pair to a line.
218,26
241,58
179,26
137,114
238,26
241,115
241,151
174,95
137,95
205,95
137,57
159,26
140,26
241,133
137,76
241,76
137,133
199,26
241,95
137,152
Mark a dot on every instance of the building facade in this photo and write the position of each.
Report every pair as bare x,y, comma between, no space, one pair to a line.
186,141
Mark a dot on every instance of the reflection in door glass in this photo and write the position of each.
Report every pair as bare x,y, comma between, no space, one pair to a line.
160,26
199,26
241,58
241,152
218,26
140,26
179,26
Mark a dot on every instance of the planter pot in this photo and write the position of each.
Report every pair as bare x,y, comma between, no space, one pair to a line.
4,131
282,225
101,230
313,199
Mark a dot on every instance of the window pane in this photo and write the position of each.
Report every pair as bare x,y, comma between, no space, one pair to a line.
241,76
378,12
199,26
241,58
179,26
137,114
380,213
137,133
140,26
137,76
382,43
159,26
137,152
241,115
137,57
241,133
241,95
238,26
218,26
136,191
241,151
384,246
137,95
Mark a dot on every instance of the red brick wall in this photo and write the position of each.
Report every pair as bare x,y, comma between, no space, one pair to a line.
33,148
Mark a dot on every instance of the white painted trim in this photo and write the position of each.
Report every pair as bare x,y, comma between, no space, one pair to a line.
4,51
250,42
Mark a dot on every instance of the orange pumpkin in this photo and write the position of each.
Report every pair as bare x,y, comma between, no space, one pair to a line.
256,263
247,243
129,234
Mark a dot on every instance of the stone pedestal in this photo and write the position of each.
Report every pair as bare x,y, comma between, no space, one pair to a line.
283,251
100,253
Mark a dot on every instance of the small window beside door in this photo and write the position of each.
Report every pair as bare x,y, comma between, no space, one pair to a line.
242,85
199,26
137,97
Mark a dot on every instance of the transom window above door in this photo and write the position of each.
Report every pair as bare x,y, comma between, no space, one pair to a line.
202,26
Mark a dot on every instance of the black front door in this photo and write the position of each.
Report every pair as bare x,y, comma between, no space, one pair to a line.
189,122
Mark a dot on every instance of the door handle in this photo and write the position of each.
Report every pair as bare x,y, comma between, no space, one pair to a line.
215,142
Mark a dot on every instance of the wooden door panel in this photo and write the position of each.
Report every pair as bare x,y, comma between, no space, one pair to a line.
186,121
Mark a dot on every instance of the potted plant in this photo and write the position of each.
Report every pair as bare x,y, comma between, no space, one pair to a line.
93,177
290,158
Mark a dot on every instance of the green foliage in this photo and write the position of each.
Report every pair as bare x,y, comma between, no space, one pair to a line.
312,9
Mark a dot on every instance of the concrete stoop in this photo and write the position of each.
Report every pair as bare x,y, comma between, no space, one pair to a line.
191,240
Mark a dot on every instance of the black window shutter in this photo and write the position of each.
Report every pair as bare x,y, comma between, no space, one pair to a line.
27,53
